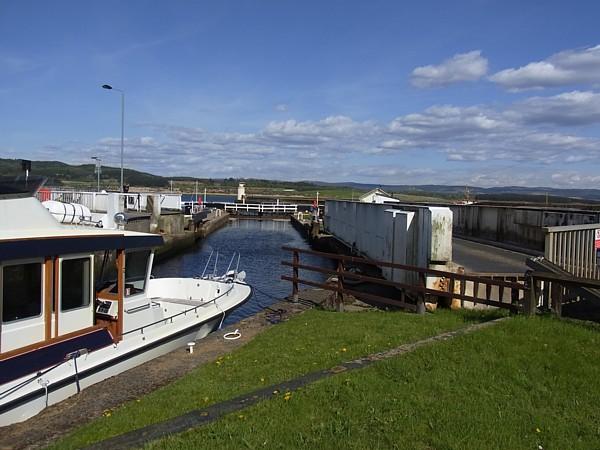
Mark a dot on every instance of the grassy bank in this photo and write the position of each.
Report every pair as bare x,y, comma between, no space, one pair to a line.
310,341
522,384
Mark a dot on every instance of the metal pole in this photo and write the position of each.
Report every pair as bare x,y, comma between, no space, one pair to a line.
122,133
98,169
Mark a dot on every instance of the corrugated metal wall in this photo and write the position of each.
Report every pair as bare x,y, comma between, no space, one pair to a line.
573,248
400,234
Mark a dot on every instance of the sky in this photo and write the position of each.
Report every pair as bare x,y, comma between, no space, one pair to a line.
481,93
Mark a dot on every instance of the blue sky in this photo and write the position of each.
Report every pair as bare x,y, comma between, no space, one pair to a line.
478,92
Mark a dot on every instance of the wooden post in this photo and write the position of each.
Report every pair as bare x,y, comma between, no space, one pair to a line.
296,261
514,293
556,299
546,302
339,297
531,299
421,295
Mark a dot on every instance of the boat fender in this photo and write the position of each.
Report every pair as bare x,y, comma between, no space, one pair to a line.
232,335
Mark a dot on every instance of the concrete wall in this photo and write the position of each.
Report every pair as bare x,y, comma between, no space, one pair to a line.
403,234
516,226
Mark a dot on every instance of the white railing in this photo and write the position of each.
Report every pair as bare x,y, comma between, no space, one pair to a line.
574,248
97,201
265,208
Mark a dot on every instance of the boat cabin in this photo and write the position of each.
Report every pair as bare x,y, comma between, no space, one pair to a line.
62,283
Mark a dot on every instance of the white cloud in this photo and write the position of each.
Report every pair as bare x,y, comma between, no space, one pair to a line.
446,121
574,179
469,66
569,67
281,107
569,108
441,144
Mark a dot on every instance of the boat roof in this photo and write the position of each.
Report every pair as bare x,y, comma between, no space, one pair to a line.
28,230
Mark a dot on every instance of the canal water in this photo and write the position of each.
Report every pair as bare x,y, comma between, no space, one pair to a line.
259,244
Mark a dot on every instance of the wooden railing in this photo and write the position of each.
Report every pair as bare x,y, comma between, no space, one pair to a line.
455,285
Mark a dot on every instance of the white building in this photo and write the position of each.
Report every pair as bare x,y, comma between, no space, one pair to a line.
377,196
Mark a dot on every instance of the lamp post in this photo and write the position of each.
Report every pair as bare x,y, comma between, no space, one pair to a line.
108,86
98,170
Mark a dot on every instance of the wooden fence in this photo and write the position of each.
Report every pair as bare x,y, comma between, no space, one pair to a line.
531,292
482,290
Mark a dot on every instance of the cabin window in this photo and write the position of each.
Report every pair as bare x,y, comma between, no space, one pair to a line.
21,291
136,265
75,284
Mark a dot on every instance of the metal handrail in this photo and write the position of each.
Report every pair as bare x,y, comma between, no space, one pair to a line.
185,312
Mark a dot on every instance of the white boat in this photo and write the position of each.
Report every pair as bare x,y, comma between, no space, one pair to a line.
78,305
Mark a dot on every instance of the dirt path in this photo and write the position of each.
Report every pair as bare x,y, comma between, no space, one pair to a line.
58,420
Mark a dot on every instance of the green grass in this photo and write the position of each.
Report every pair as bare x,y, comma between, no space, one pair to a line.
526,383
308,342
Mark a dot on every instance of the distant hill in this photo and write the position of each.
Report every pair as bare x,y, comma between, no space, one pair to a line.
506,193
60,174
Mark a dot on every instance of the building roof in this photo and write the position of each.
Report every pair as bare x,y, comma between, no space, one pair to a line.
377,192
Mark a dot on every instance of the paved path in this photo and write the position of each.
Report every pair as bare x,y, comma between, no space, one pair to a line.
478,257
200,417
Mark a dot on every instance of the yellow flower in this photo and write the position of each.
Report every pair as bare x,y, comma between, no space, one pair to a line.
344,349
262,379
538,430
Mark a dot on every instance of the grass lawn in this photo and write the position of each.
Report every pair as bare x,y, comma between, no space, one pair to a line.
308,342
526,383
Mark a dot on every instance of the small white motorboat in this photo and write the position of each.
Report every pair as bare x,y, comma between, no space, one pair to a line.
78,305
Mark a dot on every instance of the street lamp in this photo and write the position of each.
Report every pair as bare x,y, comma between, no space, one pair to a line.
108,86
98,169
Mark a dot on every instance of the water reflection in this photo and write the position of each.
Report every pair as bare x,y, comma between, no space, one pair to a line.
259,243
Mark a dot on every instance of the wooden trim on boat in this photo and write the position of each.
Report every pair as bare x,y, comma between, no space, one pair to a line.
105,293
120,292
48,296
55,294
51,341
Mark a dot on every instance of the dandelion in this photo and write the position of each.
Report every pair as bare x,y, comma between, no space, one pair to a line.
275,392
241,416
107,413
262,379
344,349
205,399
538,430
287,396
